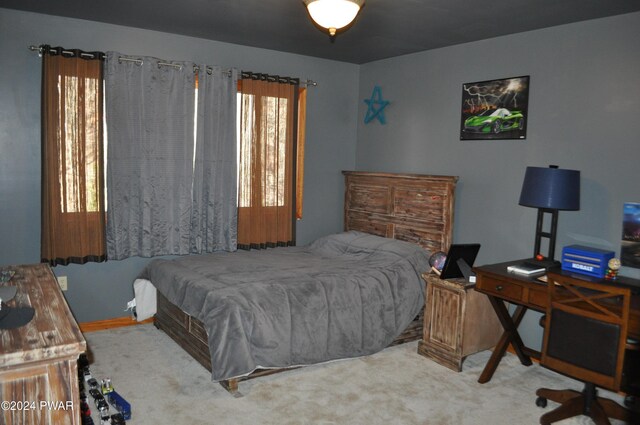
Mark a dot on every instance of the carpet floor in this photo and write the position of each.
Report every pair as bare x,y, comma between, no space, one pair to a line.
164,385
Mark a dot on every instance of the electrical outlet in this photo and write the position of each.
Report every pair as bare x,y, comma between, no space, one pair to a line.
62,281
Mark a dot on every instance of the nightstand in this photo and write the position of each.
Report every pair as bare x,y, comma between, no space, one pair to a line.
458,321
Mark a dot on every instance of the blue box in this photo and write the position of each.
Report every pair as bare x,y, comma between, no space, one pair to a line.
120,404
586,260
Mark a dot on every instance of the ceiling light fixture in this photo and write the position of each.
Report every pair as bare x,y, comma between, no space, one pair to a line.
333,14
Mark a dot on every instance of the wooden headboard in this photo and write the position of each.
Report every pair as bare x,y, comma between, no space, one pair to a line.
410,207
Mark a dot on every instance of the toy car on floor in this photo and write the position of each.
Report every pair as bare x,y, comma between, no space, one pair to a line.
120,404
117,419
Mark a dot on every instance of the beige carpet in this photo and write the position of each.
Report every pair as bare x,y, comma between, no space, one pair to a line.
396,386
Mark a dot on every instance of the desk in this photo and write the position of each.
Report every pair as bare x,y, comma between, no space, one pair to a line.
528,293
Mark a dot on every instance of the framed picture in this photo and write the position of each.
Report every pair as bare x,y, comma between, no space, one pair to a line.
495,109
630,250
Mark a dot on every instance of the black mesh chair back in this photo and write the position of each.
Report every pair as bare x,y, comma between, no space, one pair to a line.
585,338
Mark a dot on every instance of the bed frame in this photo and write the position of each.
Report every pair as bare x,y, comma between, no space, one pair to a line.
410,207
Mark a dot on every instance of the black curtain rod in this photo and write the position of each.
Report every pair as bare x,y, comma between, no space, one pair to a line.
269,78
45,48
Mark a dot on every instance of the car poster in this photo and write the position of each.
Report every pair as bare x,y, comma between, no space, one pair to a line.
495,109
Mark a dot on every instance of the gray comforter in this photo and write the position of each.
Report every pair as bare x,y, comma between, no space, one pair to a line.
344,295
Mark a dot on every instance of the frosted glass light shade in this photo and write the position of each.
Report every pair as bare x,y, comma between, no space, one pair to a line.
333,14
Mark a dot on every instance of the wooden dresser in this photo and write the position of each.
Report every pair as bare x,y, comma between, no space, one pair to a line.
457,322
38,361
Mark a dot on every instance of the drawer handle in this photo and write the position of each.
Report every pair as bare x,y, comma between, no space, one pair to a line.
499,288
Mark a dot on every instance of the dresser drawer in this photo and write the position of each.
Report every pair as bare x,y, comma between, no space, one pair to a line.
500,288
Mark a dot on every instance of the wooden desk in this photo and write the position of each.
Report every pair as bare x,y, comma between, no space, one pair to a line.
38,361
529,293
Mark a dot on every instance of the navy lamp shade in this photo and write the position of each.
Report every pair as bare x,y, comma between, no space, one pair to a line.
550,190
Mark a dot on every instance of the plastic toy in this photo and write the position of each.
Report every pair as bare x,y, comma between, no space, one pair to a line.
120,404
106,386
612,270
104,397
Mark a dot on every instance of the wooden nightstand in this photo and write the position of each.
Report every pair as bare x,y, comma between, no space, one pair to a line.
458,321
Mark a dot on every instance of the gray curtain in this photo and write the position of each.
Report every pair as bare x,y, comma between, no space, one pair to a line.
150,131
214,215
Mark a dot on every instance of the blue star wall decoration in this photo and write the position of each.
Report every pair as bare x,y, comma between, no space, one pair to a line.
376,106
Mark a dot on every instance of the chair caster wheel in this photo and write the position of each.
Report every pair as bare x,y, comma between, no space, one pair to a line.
629,401
541,402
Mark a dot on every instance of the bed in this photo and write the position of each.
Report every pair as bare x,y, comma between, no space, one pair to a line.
326,311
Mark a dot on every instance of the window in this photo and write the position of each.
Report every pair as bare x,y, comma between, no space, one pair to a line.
270,144
271,156
77,197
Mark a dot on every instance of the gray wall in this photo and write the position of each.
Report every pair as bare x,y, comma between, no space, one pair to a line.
583,114
100,291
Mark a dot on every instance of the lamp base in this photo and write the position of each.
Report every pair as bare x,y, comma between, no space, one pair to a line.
546,263
551,234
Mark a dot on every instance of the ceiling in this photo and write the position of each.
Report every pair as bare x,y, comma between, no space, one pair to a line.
383,29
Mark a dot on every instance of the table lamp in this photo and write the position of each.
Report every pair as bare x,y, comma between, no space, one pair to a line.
550,190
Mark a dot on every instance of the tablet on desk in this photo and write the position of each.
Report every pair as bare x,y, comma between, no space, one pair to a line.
465,252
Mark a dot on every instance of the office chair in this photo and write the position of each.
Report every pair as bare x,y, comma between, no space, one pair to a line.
585,338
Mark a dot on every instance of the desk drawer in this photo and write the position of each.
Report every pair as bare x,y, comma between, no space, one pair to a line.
501,289
538,297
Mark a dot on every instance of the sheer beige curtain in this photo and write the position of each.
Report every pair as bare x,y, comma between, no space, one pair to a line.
73,215
266,191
